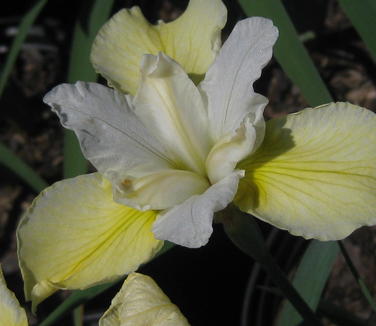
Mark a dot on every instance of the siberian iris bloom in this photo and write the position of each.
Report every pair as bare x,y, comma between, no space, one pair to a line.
75,235
172,154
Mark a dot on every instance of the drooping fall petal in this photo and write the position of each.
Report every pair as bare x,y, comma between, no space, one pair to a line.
192,40
315,173
11,313
74,236
141,302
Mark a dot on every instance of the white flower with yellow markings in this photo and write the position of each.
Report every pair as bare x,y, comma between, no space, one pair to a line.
171,154
75,235
174,147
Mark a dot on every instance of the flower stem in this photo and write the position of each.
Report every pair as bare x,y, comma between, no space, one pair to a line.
78,315
244,232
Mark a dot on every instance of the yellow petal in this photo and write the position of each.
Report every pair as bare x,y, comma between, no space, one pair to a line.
192,40
74,236
177,185
11,313
141,302
118,48
315,173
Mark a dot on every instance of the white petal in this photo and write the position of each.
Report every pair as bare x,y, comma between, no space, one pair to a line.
194,38
228,83
171,106
236,146
161,190
190,224
111,136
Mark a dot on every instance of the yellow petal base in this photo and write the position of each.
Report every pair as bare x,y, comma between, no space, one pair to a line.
315,173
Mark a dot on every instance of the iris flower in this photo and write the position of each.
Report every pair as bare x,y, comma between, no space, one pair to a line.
139,302
75,235
172,154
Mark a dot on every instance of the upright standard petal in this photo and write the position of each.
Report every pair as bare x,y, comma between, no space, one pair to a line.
75,236
112,138
228,82
171,107
118,48
315,173
141,302
11,313
190,224
194,39
121,43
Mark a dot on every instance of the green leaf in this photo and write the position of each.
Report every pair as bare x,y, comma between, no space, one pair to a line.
20,168
289,51
23,29
80,68
362,14
74,162
310,278
78,316
244,232
75,299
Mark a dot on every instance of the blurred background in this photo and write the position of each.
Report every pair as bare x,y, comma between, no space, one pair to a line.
216,284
